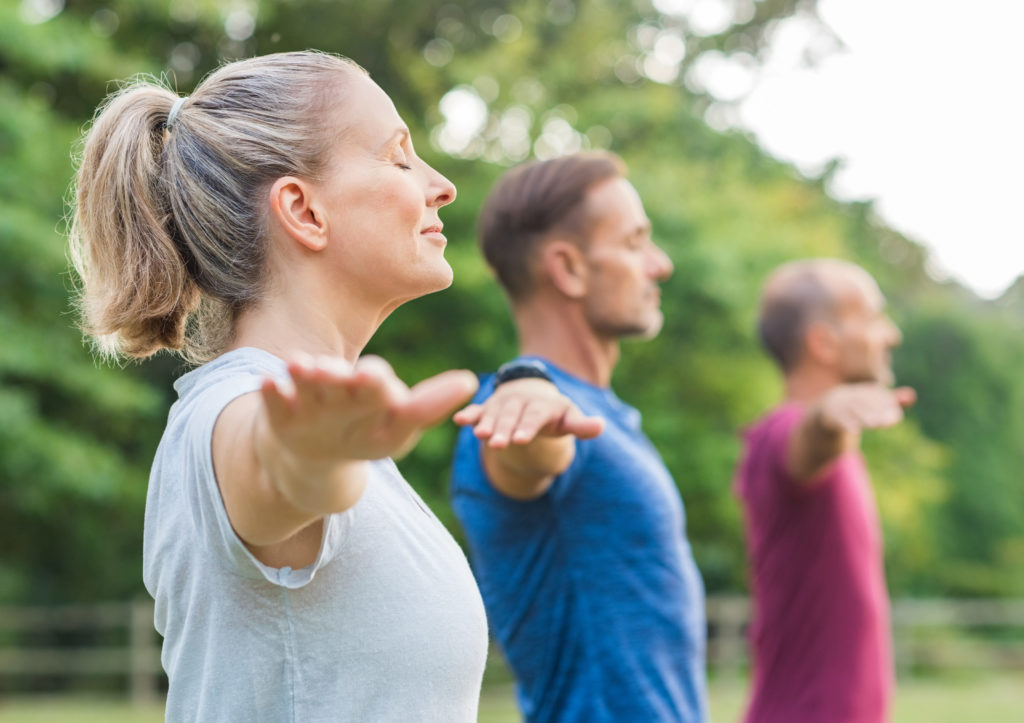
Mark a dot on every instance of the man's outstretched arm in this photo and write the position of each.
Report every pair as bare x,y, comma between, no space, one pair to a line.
833,424
528,431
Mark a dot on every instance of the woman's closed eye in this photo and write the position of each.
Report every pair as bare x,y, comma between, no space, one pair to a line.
403,159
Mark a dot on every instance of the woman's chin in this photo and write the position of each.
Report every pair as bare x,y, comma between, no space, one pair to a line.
438,279
444,277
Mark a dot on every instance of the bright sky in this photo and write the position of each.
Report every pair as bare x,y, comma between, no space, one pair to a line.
926,109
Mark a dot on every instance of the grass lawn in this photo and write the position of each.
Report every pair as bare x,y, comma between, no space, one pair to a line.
975,698
996,698
963,698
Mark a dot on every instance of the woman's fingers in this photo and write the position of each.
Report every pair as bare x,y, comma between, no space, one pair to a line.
468,415
435,398
277,396
374,387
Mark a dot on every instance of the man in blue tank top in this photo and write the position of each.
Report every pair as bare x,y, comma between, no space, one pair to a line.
576,529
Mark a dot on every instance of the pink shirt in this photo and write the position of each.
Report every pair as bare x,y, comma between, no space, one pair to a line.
820,634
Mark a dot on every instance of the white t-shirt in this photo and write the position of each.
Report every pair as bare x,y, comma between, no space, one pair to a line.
386,625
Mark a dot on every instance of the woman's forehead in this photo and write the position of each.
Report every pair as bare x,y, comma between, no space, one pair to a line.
363,119
365,109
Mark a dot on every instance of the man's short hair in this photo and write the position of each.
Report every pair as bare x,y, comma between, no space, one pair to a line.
796,295
532,202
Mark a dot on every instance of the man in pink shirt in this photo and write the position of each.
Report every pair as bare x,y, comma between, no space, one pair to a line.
820,634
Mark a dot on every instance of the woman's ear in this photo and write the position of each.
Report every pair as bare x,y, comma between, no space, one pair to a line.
294,207
562,262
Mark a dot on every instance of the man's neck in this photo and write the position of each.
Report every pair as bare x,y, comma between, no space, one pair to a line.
805,385
561,335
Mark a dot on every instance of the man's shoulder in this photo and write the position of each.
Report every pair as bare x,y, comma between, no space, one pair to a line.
765,443
775,425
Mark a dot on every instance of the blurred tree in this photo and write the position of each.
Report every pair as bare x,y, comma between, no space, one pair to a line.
75,439
970,368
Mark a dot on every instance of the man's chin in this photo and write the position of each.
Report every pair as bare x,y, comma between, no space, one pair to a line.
648,331
652,332
885,379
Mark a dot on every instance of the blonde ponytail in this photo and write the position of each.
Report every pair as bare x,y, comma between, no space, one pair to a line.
136,293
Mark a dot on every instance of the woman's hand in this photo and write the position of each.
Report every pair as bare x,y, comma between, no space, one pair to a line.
297,450
329,410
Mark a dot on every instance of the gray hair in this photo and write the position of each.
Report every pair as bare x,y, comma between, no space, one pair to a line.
796,295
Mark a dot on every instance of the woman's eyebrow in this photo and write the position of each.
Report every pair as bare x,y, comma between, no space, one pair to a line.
395,139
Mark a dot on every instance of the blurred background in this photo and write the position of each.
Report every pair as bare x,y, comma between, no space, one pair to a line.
680,89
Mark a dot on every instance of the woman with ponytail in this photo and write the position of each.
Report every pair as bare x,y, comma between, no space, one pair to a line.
263,228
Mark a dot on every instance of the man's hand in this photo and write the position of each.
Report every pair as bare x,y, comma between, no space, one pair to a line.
521,410
833,424
528,430
851,408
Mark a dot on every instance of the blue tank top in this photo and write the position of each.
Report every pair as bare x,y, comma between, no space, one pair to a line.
591,589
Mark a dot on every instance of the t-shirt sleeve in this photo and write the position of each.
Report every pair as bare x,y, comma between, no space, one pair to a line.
763,470
776,440
209,516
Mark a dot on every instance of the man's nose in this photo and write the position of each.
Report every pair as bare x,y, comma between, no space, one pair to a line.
659,264
895,335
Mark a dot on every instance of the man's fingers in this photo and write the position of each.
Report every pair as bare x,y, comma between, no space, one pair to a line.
885,416
506,421
906,396
872,413
532,420
556,423
581,426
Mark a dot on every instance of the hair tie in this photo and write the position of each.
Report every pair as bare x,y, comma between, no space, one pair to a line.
173,115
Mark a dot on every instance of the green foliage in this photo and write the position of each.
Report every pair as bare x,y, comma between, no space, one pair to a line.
76,438
971,369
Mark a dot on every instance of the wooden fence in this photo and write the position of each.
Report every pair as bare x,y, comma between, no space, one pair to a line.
77,643
928,634
108,639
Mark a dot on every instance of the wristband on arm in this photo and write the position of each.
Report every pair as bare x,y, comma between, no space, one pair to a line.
520,369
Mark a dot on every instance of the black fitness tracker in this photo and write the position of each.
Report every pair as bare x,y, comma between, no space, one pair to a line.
520,369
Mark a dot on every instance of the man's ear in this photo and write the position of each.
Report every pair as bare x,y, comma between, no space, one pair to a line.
821,343
563,263
295,208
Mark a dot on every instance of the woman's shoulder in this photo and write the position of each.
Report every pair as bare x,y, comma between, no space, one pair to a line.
236,367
